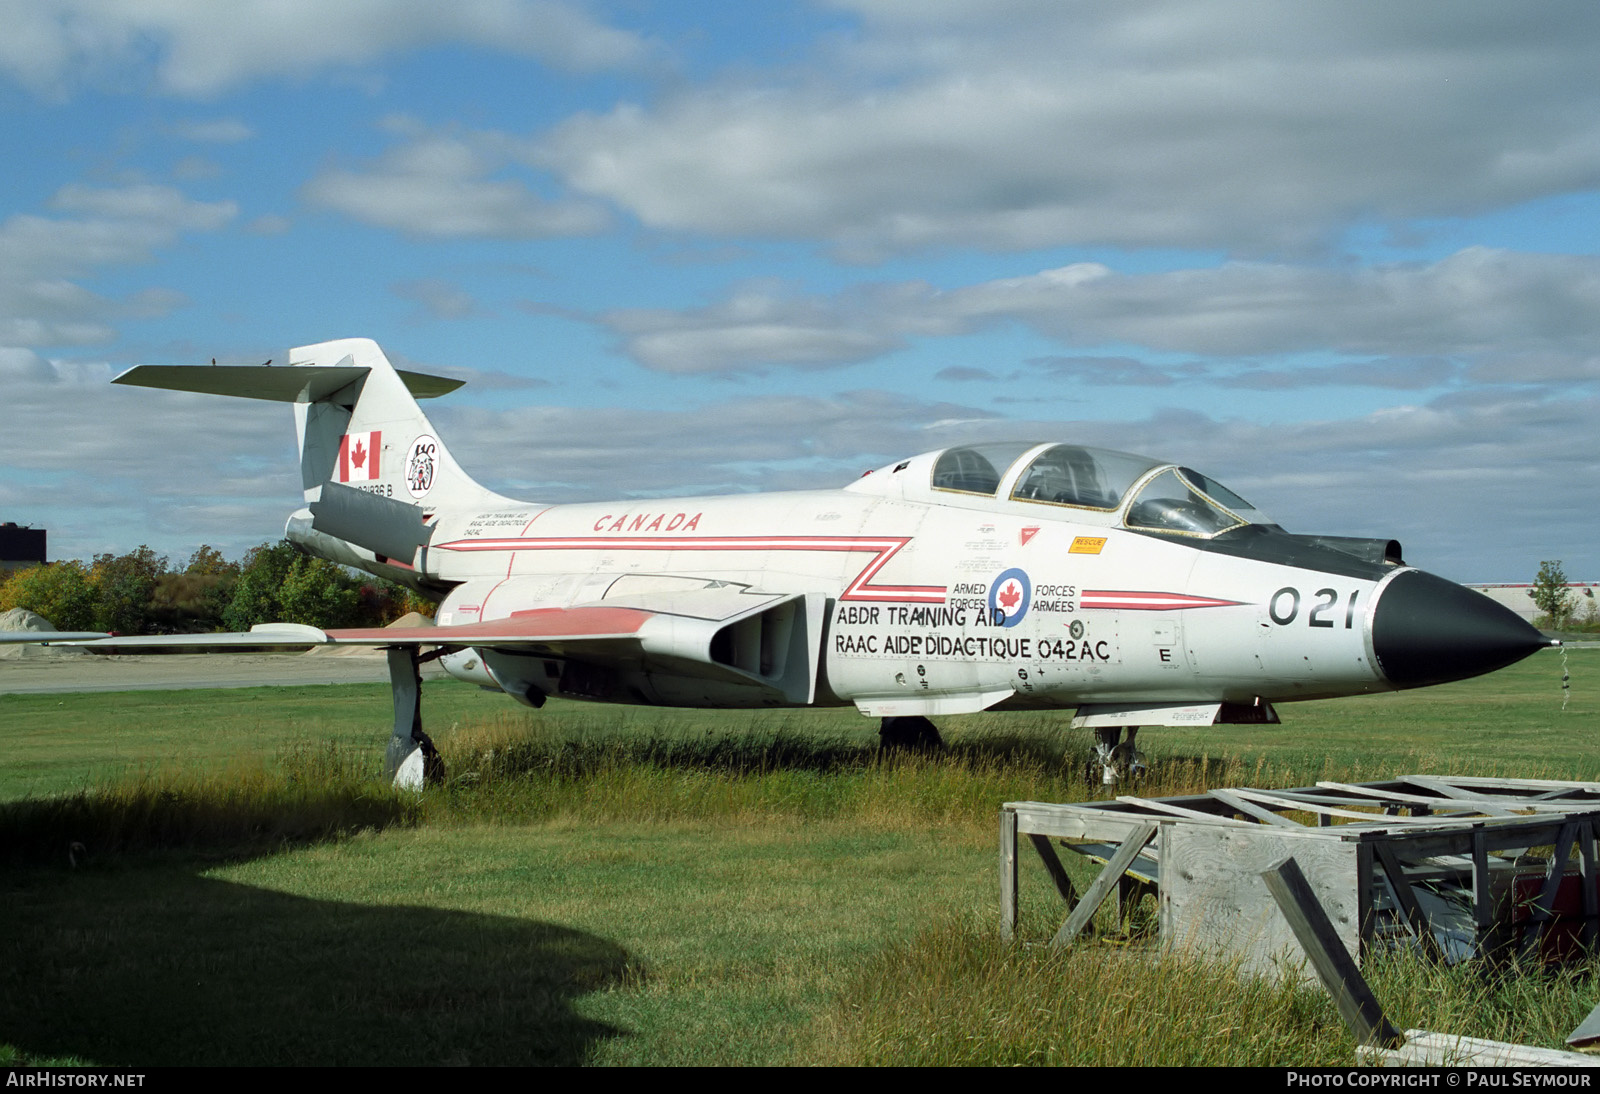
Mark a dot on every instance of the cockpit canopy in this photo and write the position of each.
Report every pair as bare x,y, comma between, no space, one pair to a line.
1149,495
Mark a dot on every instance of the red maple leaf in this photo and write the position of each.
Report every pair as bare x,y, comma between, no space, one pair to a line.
359,456
1009,595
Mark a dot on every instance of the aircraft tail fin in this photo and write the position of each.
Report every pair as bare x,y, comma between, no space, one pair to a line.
371,434
356,414
360,430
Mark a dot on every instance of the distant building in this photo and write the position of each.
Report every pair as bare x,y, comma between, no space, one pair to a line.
20,547
1581,594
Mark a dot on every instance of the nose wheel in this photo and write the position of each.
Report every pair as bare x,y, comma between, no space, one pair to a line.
1114,759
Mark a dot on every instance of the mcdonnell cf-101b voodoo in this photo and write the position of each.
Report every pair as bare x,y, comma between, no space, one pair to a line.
1000,576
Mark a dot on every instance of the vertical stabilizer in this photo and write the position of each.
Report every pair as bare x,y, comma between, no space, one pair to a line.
371,434
372,467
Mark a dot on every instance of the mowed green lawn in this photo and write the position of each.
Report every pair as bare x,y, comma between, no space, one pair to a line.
632,887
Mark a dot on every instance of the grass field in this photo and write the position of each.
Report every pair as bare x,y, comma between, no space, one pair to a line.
220,877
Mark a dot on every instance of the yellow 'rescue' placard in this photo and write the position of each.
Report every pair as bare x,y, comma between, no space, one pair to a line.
1087,545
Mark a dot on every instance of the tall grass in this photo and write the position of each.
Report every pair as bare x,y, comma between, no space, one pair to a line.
957,996
505,772
508,769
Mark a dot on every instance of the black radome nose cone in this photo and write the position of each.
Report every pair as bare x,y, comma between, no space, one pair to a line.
1427,630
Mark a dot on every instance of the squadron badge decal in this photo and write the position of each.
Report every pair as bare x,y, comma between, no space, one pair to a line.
421,464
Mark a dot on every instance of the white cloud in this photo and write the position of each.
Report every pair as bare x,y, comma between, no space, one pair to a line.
1399,374
194,168
1476,300
756,442
19,365
1106,371
1243,125
103,467
437,298
161,207
40,302
212,131
754,328
271,224
1398,322
200,49
1477,487
1550,367
448,185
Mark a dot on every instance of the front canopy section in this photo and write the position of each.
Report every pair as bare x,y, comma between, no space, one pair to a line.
1094,485
1178,501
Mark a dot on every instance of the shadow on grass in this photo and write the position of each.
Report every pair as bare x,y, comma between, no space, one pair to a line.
756,753
148,963
216,819
132,956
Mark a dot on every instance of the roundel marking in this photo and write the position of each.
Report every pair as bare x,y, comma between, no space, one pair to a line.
1009,596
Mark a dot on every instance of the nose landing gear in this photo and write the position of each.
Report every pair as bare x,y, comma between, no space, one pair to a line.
1115,760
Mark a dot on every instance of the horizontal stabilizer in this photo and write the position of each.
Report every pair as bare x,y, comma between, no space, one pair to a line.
382,525
288,384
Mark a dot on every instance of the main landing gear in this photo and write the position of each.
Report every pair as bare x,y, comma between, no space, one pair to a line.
1114,759
411,760
915,734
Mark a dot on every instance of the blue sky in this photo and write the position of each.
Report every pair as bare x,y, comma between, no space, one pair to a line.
1341,255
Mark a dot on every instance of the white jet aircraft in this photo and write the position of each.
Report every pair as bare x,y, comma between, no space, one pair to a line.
997,576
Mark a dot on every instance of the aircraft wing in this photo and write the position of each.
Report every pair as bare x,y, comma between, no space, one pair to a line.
542,628
718,632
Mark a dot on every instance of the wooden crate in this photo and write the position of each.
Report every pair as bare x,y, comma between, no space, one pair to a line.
1421,861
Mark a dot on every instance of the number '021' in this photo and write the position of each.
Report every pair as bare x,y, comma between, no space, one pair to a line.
1284,607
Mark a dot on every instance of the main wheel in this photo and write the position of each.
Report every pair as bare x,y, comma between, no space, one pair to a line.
914,733
1128,762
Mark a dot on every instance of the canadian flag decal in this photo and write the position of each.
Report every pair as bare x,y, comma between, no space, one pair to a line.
358,456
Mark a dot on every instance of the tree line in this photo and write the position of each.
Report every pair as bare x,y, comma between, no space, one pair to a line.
142,593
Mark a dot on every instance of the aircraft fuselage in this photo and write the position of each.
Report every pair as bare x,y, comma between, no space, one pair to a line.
934,608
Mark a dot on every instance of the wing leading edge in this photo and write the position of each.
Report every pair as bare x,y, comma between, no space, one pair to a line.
540,628
765,641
